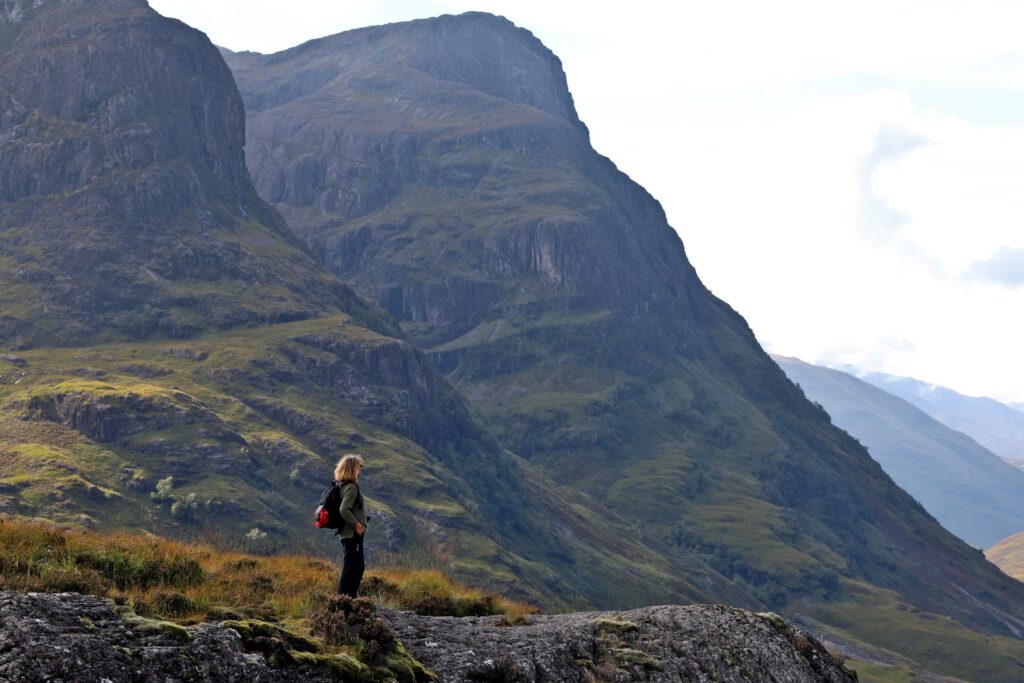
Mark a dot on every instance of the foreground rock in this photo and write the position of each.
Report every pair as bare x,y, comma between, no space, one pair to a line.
73,637
668,643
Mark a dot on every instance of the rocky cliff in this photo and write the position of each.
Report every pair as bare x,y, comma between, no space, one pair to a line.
125,206
100,642
552,291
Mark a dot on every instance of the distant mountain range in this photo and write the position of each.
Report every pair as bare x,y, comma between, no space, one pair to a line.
970,490
996,426
549,399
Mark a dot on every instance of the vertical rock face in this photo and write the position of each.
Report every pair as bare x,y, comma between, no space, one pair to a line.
552,291
462,132
125,205
138,89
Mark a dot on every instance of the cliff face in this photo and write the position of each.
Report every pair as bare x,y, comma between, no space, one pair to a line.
462,132
125,206
551,290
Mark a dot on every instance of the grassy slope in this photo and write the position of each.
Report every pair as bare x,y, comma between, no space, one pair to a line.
248,432
1008,555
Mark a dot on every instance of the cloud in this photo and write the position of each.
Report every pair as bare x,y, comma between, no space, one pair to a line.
1005,267
892,142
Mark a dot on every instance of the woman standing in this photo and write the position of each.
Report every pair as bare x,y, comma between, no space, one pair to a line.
353,516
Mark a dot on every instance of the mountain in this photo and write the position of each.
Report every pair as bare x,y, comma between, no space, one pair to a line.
1008,554
439,167
175,360
970,490
996,426
150,224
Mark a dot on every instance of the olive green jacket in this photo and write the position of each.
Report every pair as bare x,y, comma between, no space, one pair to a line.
352,509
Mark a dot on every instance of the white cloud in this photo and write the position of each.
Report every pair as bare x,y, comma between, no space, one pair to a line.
892,142
1005,267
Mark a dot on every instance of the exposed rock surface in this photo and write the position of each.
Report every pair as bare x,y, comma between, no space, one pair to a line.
667,643
73,637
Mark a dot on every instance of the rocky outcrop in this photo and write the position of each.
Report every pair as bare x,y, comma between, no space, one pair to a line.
73,637
68,636
667,643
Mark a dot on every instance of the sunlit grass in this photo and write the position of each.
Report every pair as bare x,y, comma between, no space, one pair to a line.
188,582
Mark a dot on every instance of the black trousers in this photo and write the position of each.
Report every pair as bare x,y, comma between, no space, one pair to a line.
352,567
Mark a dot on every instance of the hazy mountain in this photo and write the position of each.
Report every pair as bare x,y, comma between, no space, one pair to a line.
996,426
184,365
439,166
1008,554
969,489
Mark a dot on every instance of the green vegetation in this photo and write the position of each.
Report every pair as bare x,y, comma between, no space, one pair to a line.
230,437
933,642
872,672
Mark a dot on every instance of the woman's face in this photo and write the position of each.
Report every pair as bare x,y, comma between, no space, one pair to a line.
359,470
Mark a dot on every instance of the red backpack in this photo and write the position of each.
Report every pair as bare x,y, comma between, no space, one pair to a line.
328,513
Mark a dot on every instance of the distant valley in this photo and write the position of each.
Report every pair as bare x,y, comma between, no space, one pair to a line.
970,490
996,426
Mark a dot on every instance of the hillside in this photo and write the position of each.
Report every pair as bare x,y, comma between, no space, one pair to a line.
970,490
439,166
997,427
176,361
1008,555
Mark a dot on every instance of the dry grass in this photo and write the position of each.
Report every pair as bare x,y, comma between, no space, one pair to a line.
188,582
431,591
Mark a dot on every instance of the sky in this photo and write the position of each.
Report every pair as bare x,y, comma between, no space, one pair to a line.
848,176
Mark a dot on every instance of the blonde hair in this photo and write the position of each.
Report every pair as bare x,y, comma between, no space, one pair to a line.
347,466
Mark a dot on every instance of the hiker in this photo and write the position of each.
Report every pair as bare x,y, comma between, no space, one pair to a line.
353,528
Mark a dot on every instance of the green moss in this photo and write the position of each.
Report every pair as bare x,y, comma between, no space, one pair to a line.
157,627
777,622
624,656
345,667
614,626
250,629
